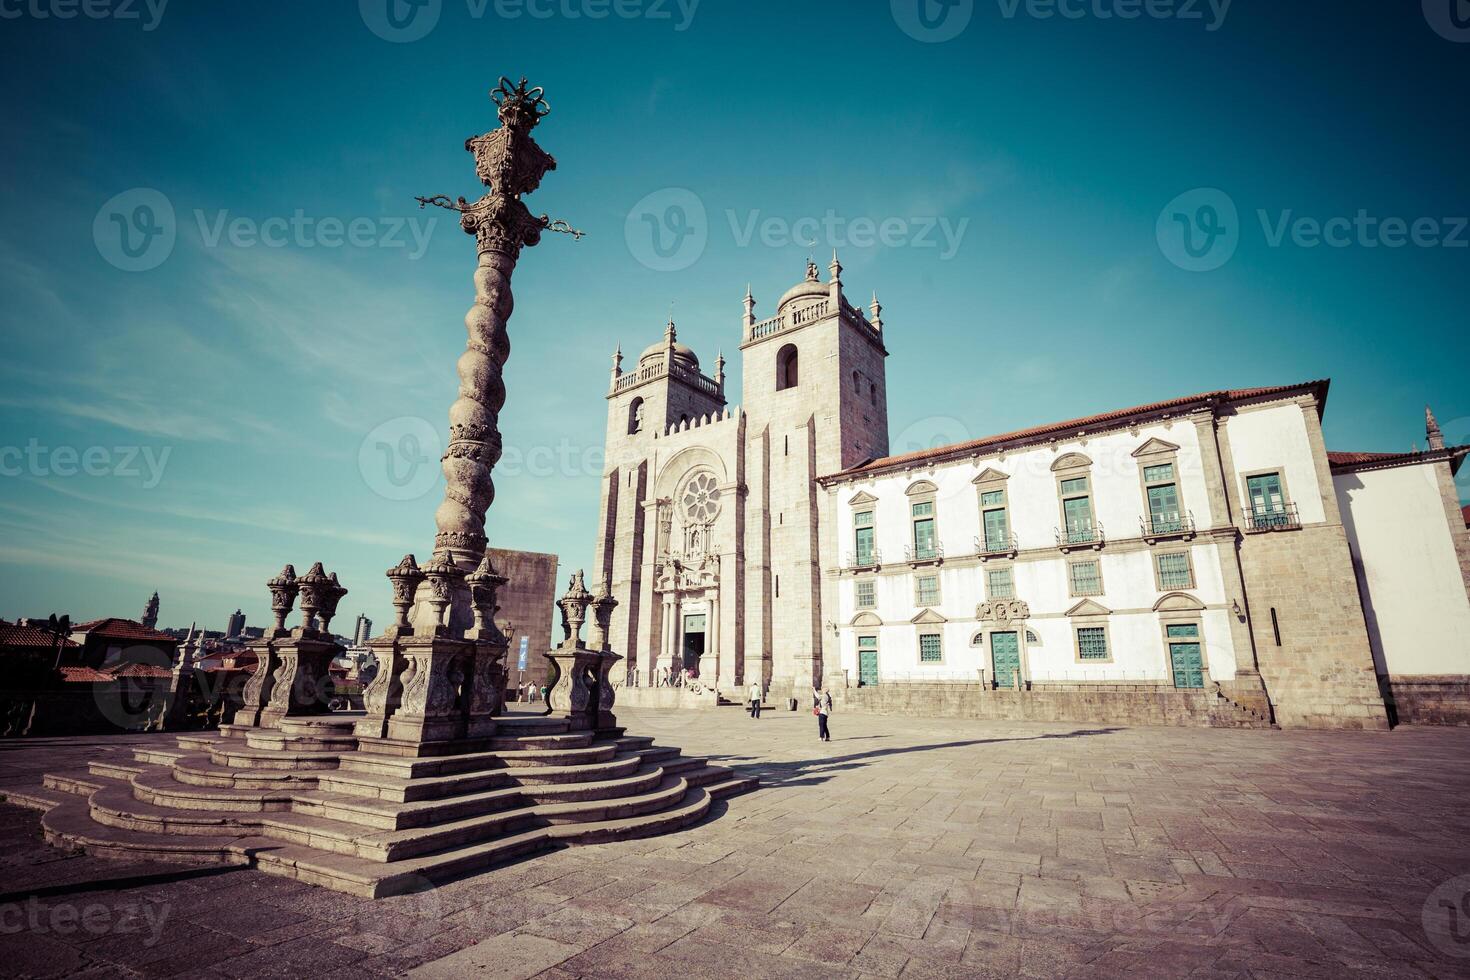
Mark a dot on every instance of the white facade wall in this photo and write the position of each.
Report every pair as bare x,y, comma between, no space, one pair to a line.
1276,439
1130,589
1414,596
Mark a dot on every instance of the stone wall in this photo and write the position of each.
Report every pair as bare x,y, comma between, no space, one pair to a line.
527,603
1113,704
1428,699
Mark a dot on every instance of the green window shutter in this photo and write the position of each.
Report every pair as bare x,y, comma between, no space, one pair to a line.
996,529
930,651
1078,512
924,538
1163,506
1092,643
1266,494
864,545
1174,572
923,508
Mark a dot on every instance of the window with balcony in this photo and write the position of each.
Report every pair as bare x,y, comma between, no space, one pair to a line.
1268,508
1078,526
867,596
1161,488
862,530
1174,571
926,590
1092,643
995,522
1085,577
1000,583
924,538
931,648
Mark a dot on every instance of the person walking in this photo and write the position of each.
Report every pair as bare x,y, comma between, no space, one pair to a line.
822,707
755,699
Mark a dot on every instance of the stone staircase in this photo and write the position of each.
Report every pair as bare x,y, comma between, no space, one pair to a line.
309,801
1226,712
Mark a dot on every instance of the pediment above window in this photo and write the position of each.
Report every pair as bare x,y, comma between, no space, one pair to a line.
861,498
1155,447
928,617
920,488
1088,607
1178,602
991,475
1070,461
866,619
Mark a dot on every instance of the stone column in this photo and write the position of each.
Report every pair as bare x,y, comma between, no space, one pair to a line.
576,667
383,695
302,682
259,688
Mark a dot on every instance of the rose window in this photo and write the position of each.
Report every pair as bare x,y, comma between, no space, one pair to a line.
701,499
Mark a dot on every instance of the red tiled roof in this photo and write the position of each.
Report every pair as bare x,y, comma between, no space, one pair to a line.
1091,421
123,629
83,675
16,635
136,670
1343,461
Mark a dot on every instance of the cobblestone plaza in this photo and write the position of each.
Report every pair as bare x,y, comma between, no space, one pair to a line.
904,848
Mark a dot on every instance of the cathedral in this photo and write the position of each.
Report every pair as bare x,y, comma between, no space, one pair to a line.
1199,560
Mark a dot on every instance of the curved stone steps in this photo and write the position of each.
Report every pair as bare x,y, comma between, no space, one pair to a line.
623,765
116,770
69,823
202,770
157,785
395,815
396,789
201,742
534,725
233,755
573,740
556,757
280,741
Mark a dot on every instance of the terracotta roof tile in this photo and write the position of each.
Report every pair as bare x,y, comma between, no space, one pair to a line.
1341,461
16,635
123,629
1091,421
83,675
136,670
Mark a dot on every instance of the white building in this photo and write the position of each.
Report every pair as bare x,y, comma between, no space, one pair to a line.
1198,560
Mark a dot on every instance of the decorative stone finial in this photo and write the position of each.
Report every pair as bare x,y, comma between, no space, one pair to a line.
283,590
574,609
811,272
442,574
314,586
484,582
603,605
405,576
835,268
331,595
617,363
1431,429
720,368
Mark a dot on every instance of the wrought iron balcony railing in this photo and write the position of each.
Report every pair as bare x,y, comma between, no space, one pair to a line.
1283,518
934,552
996,544
863,559
1081,536
1156,526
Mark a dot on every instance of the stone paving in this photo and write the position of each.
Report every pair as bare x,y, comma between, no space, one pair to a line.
903,848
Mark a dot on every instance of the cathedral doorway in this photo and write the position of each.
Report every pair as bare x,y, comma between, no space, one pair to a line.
694,632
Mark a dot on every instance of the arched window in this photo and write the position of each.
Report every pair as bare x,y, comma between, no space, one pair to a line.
786,372
857,383
978,640
873,394
635,417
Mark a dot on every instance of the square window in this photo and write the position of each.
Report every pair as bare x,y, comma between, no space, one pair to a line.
930,651
866,595
1079,485
993,498
924,508
1092,643
1184,631
1174,572
1086,578
1158,474
1000,583
862,519
928,590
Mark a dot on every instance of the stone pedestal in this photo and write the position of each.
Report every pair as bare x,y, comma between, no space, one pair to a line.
301,684
258,689
382,696
438,681
606,694
576,670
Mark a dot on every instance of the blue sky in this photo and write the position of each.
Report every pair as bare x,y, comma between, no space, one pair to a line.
192,426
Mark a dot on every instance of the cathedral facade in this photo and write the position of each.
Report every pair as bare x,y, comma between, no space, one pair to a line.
1204,559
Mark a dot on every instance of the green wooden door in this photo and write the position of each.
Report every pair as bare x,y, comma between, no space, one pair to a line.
867,661
1005,658
1188,668
996,532
1163,507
